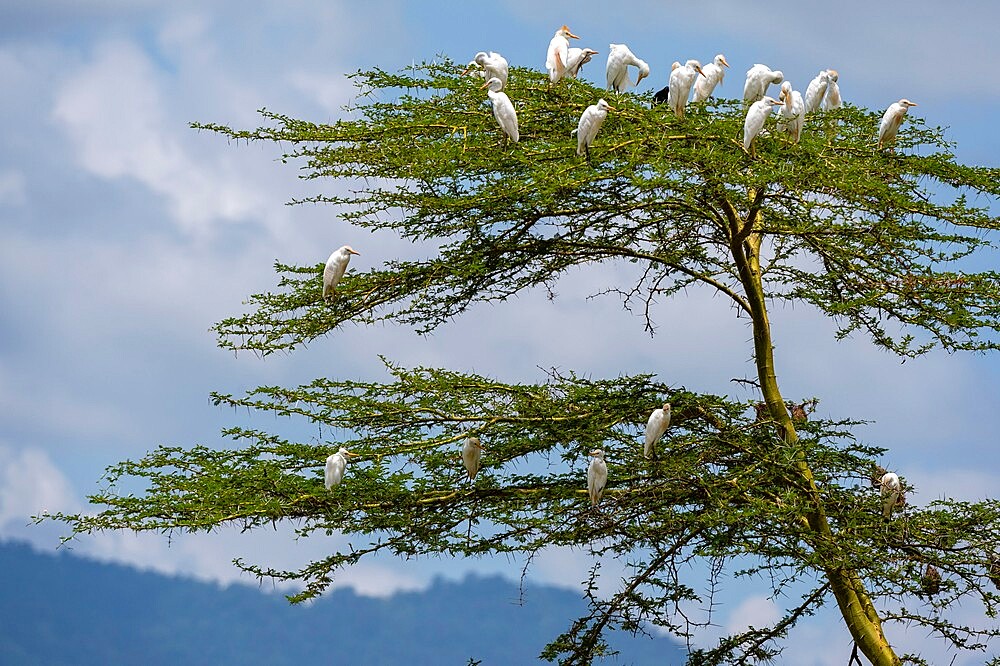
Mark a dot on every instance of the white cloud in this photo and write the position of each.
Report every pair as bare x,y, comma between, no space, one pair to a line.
118,119
30,485
373,580
329,91
208,557
757,612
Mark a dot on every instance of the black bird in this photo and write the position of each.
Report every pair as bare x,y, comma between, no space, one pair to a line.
661,95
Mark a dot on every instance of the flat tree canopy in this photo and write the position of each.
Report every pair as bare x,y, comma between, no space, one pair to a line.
889,243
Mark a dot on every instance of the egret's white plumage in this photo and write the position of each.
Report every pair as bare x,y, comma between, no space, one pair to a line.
890,490
793,114
489,65
503,109
756,117
832,99
759,77
711,76
657,424
472,452
597,476
681,80
558,54
891,121
335,466
336,266
590,121
662,96
816,91
620,58
576,59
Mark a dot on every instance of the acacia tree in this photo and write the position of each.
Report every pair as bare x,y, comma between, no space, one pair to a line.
886,243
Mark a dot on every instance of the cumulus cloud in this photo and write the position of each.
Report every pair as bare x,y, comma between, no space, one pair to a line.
116,117
208,557
329,91
30,485
757,612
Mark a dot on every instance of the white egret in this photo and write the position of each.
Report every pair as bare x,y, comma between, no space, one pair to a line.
711,76
657,424
759,77
503,109
335,466
558,53
662,95
890,491
756,117
576,59
891,121
336,266
590,121
832,99
493,65
597,476
472,452
620,58
681,80
793,117
816,91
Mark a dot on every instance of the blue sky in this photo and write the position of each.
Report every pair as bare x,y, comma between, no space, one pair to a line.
126,235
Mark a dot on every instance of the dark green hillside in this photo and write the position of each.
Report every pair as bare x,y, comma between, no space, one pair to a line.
61,609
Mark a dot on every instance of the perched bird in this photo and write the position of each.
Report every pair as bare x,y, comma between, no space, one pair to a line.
756,117
558,53
336,266
662,95
759,77
993,572
620,58
876,475
891,121
832,99
930,581
576,59
335,466
816,91
590,121
681,80
798,411
891,491
492,64
472,452
503,109
657,424
597,476
793,118
711,76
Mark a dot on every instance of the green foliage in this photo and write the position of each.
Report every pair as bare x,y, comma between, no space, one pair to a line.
884,242
866,236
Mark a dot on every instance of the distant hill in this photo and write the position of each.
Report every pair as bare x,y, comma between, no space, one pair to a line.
62,609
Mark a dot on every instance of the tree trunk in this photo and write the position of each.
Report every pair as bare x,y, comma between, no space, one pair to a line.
856,607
